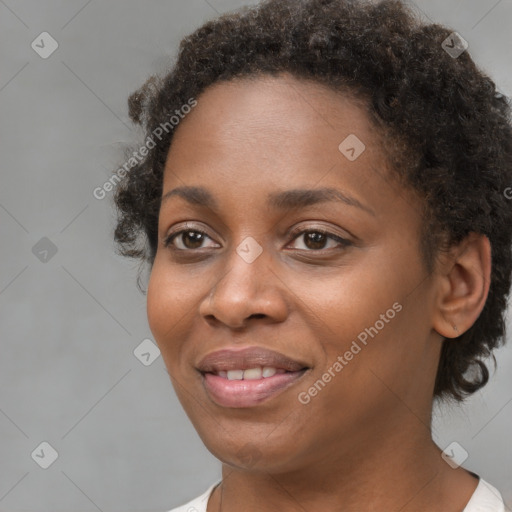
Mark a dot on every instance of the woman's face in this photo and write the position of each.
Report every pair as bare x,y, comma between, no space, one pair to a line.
356,313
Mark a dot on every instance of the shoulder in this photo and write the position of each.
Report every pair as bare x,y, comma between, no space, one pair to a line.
197,504
486,498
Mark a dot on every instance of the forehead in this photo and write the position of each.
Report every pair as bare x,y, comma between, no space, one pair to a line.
277,123
276,106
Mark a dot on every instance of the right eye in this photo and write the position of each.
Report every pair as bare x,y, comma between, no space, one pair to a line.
187,237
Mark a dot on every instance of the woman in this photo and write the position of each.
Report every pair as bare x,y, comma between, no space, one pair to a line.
322,192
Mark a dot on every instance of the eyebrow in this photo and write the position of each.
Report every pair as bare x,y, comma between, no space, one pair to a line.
287,200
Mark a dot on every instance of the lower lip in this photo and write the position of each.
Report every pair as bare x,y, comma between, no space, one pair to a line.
247,393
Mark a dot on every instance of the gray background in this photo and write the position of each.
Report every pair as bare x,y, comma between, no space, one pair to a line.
69,325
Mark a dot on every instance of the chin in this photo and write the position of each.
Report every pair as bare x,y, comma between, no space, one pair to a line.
250,453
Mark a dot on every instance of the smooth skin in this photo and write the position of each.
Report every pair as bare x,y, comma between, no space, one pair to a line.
364,441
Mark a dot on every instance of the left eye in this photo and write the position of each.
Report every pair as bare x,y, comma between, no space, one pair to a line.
315,239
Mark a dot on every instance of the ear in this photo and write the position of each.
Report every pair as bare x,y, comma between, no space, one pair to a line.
463,285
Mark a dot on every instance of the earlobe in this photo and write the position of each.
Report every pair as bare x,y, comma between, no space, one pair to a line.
463,286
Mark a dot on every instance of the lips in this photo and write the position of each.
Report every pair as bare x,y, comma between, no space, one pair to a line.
248,377
247,358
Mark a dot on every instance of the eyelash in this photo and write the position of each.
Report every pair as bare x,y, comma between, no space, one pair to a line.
294,234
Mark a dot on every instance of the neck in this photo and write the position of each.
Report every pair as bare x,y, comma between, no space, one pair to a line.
402,470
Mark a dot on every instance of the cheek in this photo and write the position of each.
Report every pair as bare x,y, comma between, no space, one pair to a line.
347,382
379,331
348,304
157,302
171,295
360,317
169,304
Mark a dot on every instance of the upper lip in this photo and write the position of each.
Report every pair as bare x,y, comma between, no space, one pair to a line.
249,357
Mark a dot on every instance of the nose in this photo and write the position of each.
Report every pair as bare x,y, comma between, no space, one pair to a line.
245,291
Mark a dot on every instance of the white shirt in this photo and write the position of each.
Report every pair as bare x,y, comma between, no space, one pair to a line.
485,498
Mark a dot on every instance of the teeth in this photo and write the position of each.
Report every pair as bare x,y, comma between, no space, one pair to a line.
250,374
235,374
268,372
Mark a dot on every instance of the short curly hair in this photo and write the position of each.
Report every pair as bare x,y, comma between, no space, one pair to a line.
448,132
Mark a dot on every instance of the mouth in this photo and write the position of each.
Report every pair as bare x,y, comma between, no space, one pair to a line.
247,377
256,373
248,388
